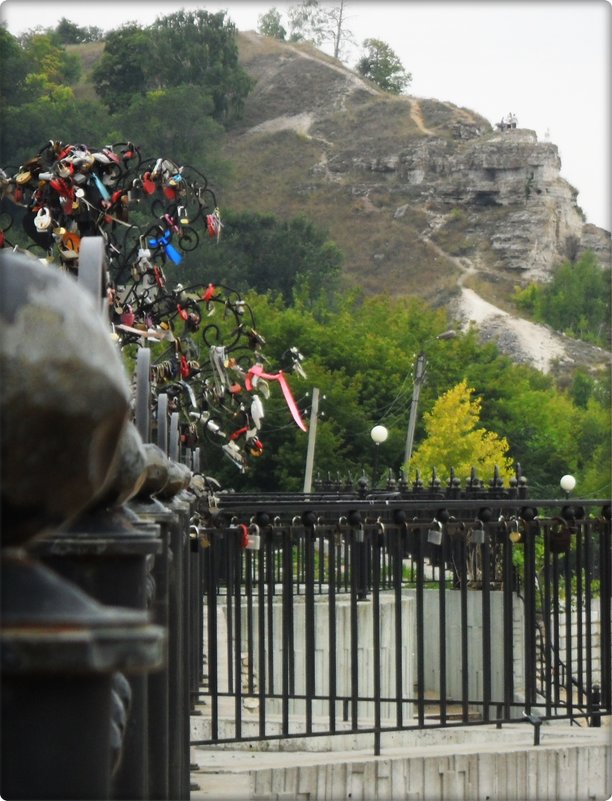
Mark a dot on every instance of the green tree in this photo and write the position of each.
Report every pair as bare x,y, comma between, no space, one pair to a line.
50,60
15,68
70,33
25,129
307,22
577,300
262,253
199,48
37,101
358,353
381,65
194,141
120,74
269,24
454,439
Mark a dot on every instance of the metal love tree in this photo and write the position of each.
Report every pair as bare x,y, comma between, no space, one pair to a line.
206,353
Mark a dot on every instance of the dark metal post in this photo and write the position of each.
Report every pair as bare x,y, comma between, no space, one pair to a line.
108,556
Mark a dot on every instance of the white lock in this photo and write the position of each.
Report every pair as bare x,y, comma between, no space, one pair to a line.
43,219
254,538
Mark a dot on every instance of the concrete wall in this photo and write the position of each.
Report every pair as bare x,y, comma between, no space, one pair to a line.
564,772
342,670
408,647
454,673
578,616
477,763
387,647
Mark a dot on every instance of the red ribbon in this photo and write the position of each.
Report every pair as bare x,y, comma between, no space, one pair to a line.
257,370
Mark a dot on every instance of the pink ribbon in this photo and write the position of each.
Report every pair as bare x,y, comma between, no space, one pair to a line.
258,371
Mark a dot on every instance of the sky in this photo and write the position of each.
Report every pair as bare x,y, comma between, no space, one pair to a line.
548,62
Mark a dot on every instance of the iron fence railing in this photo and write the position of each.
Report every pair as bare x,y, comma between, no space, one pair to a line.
326,615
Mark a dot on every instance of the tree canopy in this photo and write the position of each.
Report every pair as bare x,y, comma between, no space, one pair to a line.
70,33
577,300
270,24
360,353
382,65
187,48
455,441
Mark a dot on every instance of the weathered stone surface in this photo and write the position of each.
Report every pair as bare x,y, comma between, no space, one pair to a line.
64,398
179,476
128,472
157,470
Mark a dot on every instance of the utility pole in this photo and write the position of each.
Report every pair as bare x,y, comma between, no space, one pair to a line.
419,376
312,436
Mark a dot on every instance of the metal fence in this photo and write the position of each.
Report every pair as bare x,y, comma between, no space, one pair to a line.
328,614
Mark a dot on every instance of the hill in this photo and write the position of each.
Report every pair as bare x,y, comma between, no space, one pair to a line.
423,197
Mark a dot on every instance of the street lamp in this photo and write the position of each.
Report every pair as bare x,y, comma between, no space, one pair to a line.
379,434
567,484
419,377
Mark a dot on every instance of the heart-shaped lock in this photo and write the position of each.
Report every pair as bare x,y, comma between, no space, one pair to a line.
148,185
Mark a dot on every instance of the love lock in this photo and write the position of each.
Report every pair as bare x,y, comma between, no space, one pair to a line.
560,536
515,533
477,533
232,451
257,411
434,534
43,219
254,538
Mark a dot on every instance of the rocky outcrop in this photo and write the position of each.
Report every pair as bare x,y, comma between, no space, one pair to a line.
519,215
596,240
508,187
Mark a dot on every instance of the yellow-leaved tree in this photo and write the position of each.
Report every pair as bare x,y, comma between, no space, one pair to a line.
454,440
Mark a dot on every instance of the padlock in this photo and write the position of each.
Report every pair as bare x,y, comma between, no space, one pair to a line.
515,534
434,534
477,533
254,538
43,219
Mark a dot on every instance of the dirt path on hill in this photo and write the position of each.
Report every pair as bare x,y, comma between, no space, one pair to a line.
417,117
525,341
